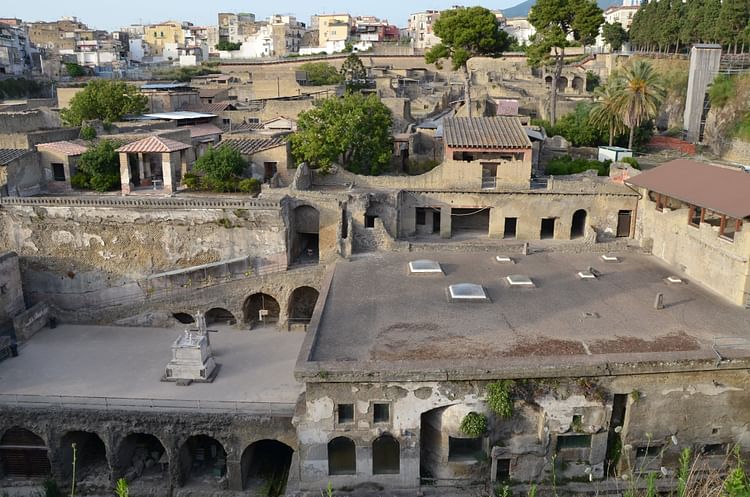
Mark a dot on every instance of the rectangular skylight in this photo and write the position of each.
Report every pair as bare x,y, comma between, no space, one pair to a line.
519,280
467,292
586,275
610,258
504,259
673,280
425,266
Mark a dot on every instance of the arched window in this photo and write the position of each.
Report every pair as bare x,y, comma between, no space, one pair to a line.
386,456
342,457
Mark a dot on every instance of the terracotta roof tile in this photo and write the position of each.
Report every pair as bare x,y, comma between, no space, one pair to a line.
200,130
720,189
485,132
63,147
154,144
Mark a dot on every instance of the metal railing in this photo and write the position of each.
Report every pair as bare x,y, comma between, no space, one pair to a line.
154,405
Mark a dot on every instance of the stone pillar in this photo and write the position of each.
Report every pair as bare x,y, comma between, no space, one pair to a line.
141,170
445,222
125,183
234,475
166,171
183,165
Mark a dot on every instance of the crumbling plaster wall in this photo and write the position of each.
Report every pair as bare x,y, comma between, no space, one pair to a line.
234,431
11,291
721,265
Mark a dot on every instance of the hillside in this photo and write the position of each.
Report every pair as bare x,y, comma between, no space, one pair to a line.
522,9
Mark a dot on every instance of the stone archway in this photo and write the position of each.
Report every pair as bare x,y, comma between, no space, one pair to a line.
183,317
302,304
578,84
578,224
219,315
142,457
203,461
266,464
23,453
92,467
261,308
305,243
562,84
342,456
386,456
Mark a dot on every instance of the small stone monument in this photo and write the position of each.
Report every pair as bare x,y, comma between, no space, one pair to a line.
192,359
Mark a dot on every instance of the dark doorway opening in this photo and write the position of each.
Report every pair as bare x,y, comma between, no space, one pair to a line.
511,224
142,457
370,220
623,223
502,471
269,170
90,453
464,449
306,240
578,224
302,304
261,308
58,171
435,221
218,315
386,456
476,220
23,454
614,439
202,459
548,228
183,317
342,457
265,467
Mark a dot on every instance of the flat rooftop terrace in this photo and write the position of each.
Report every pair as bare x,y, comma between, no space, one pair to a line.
381,322
128,363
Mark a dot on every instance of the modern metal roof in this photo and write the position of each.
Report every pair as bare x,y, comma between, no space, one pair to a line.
63,147
8,155
720,189
485,132
249,147
179,115
154,144
165,86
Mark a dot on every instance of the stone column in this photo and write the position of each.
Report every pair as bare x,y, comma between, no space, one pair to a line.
141,169
166,171
445,222
234,475
183,165
125,174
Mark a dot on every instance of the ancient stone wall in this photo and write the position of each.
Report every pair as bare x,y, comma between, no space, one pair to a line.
11,291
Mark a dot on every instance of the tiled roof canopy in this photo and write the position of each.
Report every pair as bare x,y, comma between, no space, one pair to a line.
720,189
249,147
154,144
485,132
63,147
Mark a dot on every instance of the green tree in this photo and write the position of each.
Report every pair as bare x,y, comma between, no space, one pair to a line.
221,166
99,167
354,73
733,20
74,70
641,95
605,112
107,100
556,22
321,73
615,35
228,46
465,33
353,131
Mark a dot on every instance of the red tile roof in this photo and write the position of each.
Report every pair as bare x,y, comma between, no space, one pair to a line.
154,144
249,147
63,147
201,130
485,132
720,189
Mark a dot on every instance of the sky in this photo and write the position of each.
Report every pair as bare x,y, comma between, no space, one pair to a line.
112,15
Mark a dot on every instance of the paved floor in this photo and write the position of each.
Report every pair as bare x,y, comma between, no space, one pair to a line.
256,365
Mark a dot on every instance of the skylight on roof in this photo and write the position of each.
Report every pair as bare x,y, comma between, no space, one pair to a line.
504,259
467,292
673,280
610,258
519,280
586,275
425,266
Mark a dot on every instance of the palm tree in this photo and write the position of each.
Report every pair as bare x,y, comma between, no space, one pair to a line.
605,111
641,95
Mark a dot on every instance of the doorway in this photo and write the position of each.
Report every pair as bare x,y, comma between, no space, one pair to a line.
548,228
578,224
511,224
623,223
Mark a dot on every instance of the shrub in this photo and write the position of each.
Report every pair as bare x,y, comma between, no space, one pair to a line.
721,90
249,185
220,164
632,162
80,180
101,164
474,425
562,166
228,46
321,73
88,133
105,182
191,181
499,398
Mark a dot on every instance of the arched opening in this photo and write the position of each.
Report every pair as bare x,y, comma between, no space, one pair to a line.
142,457
386,456
562,83
548,80
23,454
183,317
203,461
342,456
578,225
302,304
261,308
305,242
218,315
578,84
90,455
265,467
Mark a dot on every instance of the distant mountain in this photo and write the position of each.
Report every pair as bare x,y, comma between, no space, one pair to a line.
523,8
